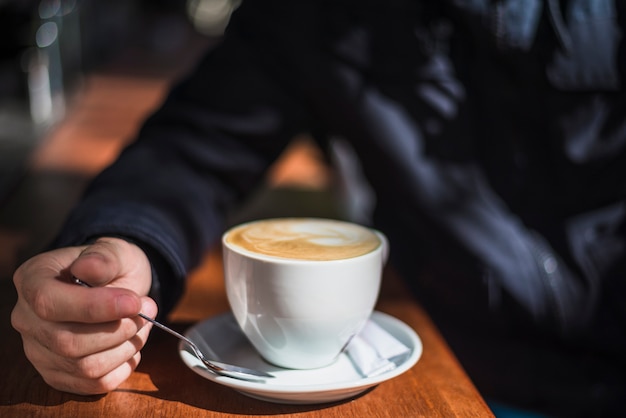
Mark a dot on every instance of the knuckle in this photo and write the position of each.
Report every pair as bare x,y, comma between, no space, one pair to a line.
17,321
66,344
91,368
44,337
91,311
69,383
40,303
21,272
91,376
108,383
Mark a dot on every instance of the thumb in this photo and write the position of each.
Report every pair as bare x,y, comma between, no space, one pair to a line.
113,259
98,264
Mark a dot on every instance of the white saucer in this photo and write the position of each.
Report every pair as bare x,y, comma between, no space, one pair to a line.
220,339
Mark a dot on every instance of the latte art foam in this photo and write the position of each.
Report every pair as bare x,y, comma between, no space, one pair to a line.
304,239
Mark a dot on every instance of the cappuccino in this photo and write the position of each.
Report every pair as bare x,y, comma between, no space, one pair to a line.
304,239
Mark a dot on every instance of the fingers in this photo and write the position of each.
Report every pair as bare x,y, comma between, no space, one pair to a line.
76,359
57,301
85,380
88,359
75,340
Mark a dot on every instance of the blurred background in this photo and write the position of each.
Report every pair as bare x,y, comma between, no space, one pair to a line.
47,46
77,78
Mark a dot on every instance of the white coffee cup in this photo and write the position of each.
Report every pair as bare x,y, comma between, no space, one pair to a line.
301,288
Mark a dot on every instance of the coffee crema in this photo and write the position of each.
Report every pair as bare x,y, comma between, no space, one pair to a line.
304,238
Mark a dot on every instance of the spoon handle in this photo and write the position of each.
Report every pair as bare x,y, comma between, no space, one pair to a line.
163,327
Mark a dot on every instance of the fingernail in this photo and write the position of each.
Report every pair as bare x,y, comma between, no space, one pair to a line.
147,308
126,305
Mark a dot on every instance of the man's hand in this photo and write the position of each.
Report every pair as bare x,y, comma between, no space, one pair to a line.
84,340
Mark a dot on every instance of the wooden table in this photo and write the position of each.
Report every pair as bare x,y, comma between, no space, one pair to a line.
163,386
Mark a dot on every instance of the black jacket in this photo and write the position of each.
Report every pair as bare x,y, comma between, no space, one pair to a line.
492,133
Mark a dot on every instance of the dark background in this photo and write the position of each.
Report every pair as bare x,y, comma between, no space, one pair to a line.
46,47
